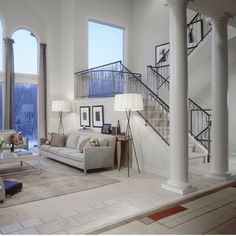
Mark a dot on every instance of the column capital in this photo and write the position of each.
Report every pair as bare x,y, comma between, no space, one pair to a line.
221,17
170,2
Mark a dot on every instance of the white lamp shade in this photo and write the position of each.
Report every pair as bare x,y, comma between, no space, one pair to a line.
128,102
60,105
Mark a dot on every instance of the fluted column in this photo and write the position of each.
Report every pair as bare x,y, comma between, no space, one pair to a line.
219,81
179,176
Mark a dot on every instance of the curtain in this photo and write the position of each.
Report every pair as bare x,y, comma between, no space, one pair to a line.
42,91
9,84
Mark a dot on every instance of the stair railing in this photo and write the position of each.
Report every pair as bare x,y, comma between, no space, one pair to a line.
115,78
158,80
200,125
102,81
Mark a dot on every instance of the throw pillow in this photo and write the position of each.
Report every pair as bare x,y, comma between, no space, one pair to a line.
103,142
58,140
72,140
48,139
82,145
82,137
93,142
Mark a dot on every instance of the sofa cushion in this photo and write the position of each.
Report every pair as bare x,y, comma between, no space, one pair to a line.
56,150
76,156
83,139
58,140
72,140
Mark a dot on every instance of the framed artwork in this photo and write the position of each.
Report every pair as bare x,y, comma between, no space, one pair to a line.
98,116
106,129
85,116
161,53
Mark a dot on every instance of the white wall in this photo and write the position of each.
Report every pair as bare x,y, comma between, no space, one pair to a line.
200,81
151,28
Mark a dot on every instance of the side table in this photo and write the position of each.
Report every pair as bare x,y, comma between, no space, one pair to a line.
124,142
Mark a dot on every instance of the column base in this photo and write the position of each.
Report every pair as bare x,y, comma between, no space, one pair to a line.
182,189
227,176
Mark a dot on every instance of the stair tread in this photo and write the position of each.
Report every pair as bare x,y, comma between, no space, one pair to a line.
194,155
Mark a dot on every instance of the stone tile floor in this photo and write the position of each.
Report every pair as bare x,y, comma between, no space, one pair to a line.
211,214
95,209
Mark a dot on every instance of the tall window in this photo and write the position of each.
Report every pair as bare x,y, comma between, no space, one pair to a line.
26,85
1,75
106,45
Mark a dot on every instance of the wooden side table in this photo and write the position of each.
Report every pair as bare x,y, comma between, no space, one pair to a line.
124,142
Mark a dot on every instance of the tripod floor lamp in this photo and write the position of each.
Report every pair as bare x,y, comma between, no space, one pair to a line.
129,102
60,106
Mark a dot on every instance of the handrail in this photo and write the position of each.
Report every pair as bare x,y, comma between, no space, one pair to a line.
151,67
90,69
146,87
201,109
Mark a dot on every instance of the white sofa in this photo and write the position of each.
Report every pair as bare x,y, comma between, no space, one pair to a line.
90,157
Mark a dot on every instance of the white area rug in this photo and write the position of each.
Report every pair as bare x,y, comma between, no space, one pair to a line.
54,179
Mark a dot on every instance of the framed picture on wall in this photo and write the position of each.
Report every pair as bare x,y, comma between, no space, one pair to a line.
98,116
85,116
161,54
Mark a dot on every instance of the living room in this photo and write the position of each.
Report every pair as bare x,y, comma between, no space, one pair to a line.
63,27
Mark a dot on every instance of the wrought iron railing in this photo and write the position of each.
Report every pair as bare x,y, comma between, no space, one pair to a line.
115,78
158,79
104,81
199,121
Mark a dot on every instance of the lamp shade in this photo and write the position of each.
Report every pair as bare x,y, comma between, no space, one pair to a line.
128,102
60,105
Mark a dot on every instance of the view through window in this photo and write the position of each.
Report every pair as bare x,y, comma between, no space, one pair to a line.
26,87
105,45
1,70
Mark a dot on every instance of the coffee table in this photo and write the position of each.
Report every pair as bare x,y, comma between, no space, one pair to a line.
23,158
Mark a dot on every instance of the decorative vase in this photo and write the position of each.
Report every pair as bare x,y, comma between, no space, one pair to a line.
118,129
12,147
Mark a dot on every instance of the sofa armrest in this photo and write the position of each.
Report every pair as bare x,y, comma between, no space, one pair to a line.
98,157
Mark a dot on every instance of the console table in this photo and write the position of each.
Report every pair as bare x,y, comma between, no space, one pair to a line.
124,146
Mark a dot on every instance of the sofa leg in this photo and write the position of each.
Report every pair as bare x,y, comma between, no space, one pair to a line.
85,171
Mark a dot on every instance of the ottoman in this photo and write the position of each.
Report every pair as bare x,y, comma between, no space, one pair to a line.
12,187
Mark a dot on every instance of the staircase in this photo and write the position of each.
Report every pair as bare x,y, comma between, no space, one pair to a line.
114,78
158,81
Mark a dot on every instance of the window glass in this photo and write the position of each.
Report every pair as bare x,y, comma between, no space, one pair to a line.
26,111
25,52
1,46
1,107
105,44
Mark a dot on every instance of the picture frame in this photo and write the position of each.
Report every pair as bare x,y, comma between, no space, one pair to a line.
98,116
106,129
85,116
161,54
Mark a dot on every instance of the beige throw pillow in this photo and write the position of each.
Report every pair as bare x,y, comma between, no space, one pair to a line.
57,140
93,142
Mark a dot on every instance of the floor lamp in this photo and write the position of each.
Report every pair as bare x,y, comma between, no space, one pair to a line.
129,102
60,106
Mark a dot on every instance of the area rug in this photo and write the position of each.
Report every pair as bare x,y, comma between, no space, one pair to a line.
54,179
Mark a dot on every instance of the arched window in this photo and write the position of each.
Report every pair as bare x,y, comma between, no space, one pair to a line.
26,84
25,52
1,74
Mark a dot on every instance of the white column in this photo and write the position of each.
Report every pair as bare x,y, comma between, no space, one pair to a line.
179,178
219,80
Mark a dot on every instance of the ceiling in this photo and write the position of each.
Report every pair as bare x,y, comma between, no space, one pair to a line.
215,8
